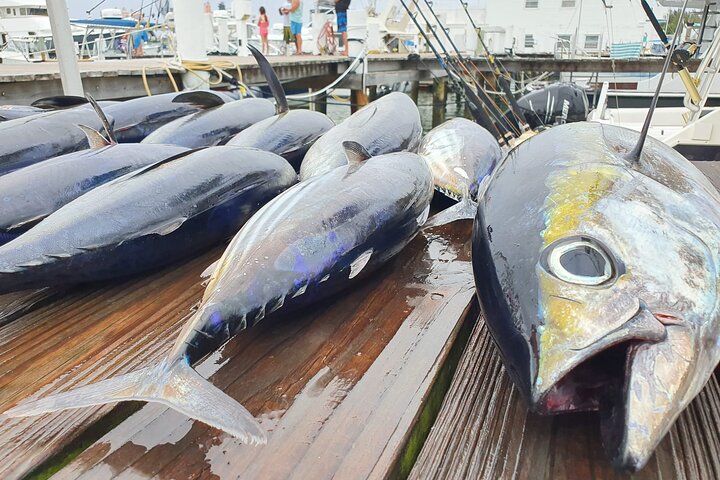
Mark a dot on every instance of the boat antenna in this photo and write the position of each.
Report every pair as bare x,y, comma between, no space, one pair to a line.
634,155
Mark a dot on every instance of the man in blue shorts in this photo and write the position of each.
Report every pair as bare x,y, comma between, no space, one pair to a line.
341,7
296,16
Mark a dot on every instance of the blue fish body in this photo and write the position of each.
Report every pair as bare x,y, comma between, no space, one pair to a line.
34,192
214,126
289,134
146,219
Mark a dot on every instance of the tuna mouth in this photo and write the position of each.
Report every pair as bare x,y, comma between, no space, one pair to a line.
603,383
587,386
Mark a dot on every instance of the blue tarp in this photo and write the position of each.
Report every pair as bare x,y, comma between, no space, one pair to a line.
625,50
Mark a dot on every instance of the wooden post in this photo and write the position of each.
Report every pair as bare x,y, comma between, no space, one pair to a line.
372,93
414,91
439,101
320,102
358,99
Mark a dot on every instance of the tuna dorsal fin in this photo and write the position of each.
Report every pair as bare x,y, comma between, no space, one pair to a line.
155,165
200,98
103,118
95,138
355,153
634,155
273,82
59,101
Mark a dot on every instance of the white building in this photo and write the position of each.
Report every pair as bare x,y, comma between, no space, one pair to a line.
547,26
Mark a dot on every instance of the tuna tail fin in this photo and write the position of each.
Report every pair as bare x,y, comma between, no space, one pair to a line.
174,384
465,209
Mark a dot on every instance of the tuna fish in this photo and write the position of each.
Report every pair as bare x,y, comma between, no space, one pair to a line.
289,133
389,124
313,240
597,268
214,126
145,219
137,118
32,193
12,112
461,155
29,140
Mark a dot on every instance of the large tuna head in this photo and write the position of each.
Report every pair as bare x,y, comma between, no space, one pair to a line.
598,279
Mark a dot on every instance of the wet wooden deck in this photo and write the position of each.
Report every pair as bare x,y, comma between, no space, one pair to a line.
340,388
484,431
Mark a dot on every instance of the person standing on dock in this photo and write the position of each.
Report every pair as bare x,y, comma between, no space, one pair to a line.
263,24
288,37
341,7
296,16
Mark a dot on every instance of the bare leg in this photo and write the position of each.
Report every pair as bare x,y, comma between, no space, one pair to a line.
345,44
298,43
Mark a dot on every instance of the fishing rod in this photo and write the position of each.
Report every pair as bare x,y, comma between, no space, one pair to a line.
510,101
481,117
478,94
679,56
494,64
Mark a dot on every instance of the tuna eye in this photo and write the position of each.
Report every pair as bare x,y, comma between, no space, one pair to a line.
581,262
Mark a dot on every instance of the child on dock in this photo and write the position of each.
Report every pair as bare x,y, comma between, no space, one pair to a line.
263,25
288,37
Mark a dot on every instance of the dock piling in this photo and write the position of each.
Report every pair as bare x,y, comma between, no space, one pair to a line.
439,101
319,103
358,99
414,91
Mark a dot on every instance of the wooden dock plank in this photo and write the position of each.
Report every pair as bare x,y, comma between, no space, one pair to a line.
484,431
90,333
342,382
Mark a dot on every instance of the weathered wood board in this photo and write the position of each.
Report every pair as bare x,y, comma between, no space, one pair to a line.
339,387
484,431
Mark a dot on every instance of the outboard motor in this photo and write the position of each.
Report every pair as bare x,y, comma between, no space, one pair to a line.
553,105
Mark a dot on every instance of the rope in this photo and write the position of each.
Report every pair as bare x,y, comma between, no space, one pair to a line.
193,67
347,72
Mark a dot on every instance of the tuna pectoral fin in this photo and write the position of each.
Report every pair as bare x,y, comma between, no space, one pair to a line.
464,209
176,385
207,273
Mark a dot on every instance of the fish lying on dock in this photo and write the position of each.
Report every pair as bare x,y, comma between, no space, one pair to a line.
596,265
290,133
145,219
214,126
32,193
388,124
35,138
12,112
461,155
137,118
308,243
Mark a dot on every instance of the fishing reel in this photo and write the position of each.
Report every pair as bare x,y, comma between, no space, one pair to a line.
680,56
